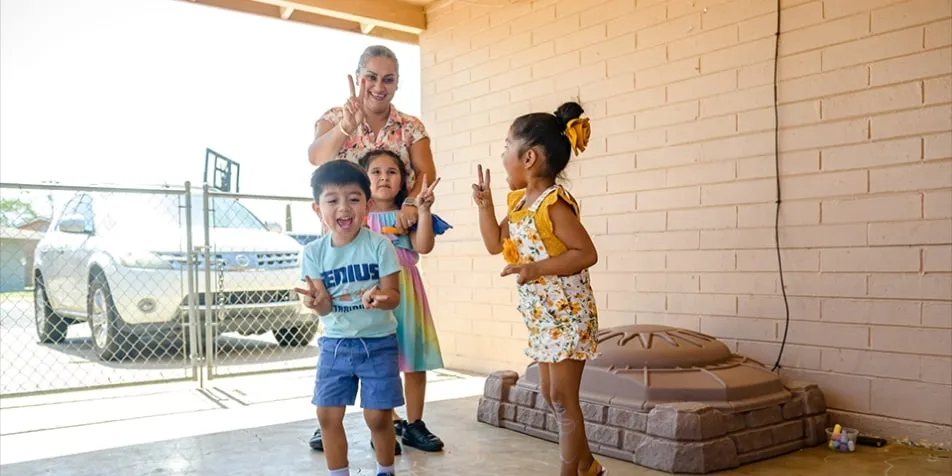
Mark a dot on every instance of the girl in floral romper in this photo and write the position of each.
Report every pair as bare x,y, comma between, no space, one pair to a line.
549,251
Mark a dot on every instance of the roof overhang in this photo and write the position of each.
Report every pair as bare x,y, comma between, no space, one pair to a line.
397,20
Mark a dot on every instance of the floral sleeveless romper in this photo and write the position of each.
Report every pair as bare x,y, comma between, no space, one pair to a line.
559,311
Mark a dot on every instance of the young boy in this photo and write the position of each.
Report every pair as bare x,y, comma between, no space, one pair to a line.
352,284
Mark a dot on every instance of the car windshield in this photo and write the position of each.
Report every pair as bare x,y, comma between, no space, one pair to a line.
146,211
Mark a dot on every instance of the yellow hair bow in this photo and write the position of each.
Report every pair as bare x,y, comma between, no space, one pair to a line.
579,132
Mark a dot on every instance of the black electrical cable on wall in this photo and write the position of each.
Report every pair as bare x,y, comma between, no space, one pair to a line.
776,108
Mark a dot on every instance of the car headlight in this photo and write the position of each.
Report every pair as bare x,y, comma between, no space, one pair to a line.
143,259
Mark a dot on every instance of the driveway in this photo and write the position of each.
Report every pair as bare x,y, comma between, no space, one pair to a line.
27,366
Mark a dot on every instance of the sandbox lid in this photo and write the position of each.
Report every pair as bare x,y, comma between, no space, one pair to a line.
640,366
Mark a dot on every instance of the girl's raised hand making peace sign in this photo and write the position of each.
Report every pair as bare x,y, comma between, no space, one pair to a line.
482,193
426,197
354,107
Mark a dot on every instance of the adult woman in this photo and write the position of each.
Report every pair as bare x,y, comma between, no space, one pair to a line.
368,121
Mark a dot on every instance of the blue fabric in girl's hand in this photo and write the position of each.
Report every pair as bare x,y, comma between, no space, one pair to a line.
440,225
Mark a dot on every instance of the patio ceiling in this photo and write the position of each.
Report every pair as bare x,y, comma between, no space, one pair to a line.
397,20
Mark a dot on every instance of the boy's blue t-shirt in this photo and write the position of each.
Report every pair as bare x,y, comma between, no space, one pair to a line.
347,272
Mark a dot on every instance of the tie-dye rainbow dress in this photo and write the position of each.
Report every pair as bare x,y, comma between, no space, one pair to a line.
416,334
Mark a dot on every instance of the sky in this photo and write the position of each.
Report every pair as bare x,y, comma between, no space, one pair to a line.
132,92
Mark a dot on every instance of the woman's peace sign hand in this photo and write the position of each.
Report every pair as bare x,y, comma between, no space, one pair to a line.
354,107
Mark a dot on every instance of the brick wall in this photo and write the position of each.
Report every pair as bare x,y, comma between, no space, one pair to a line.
677,186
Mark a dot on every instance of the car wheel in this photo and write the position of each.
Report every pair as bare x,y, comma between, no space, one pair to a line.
105,325
298,336
50,328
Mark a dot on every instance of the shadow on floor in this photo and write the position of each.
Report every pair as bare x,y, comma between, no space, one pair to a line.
473,449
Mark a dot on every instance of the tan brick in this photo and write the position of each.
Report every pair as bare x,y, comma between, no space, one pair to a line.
703,304
640,262
471,59
637,222
937,146
680,9
906,14
911,67
667,115
471,90
587,74
829,32
668,73
936,370
627,301
910,233
825,334
636,181
533,89
669,198
794,356
483,35
597,14
937,204
826,284
511,78
668,240
873,364
527,56
738,146
873,101
735,238
791,163
558,64
766,260
921,177
739,283
938,34
556,29
826,184
702,129
937,314
738,55
826,134
841,8
636,101
888,45
937,259
637,140
703,86
938,90
771,307
933,402
738,101
490,102
738,192
873,209
865,311
796,66
872,154
717,16
823,85
795,114
610,165
613,282
669,31
862,260
707,218
617,203
580,39
791,214
823,235
700,260
699,174
640,19
472,121
669,156
911,286
703,43
739,327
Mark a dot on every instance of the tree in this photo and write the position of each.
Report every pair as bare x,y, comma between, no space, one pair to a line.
15,212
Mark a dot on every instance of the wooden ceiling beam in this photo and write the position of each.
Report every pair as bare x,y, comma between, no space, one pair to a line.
391,14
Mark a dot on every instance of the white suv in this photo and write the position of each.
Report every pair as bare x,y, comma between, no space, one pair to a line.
118,262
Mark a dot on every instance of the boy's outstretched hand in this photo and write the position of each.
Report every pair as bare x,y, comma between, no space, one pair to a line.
482,193
315,296
373,298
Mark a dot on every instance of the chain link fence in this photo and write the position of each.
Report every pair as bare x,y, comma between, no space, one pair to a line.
105,286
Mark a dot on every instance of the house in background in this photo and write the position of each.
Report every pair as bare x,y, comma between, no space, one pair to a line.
39,224
17,246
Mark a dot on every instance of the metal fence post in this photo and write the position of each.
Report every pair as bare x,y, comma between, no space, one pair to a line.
209,350
191,268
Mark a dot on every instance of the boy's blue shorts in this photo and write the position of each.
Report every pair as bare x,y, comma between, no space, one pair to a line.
370,361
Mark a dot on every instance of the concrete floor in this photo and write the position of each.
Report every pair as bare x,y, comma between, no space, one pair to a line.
266,433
